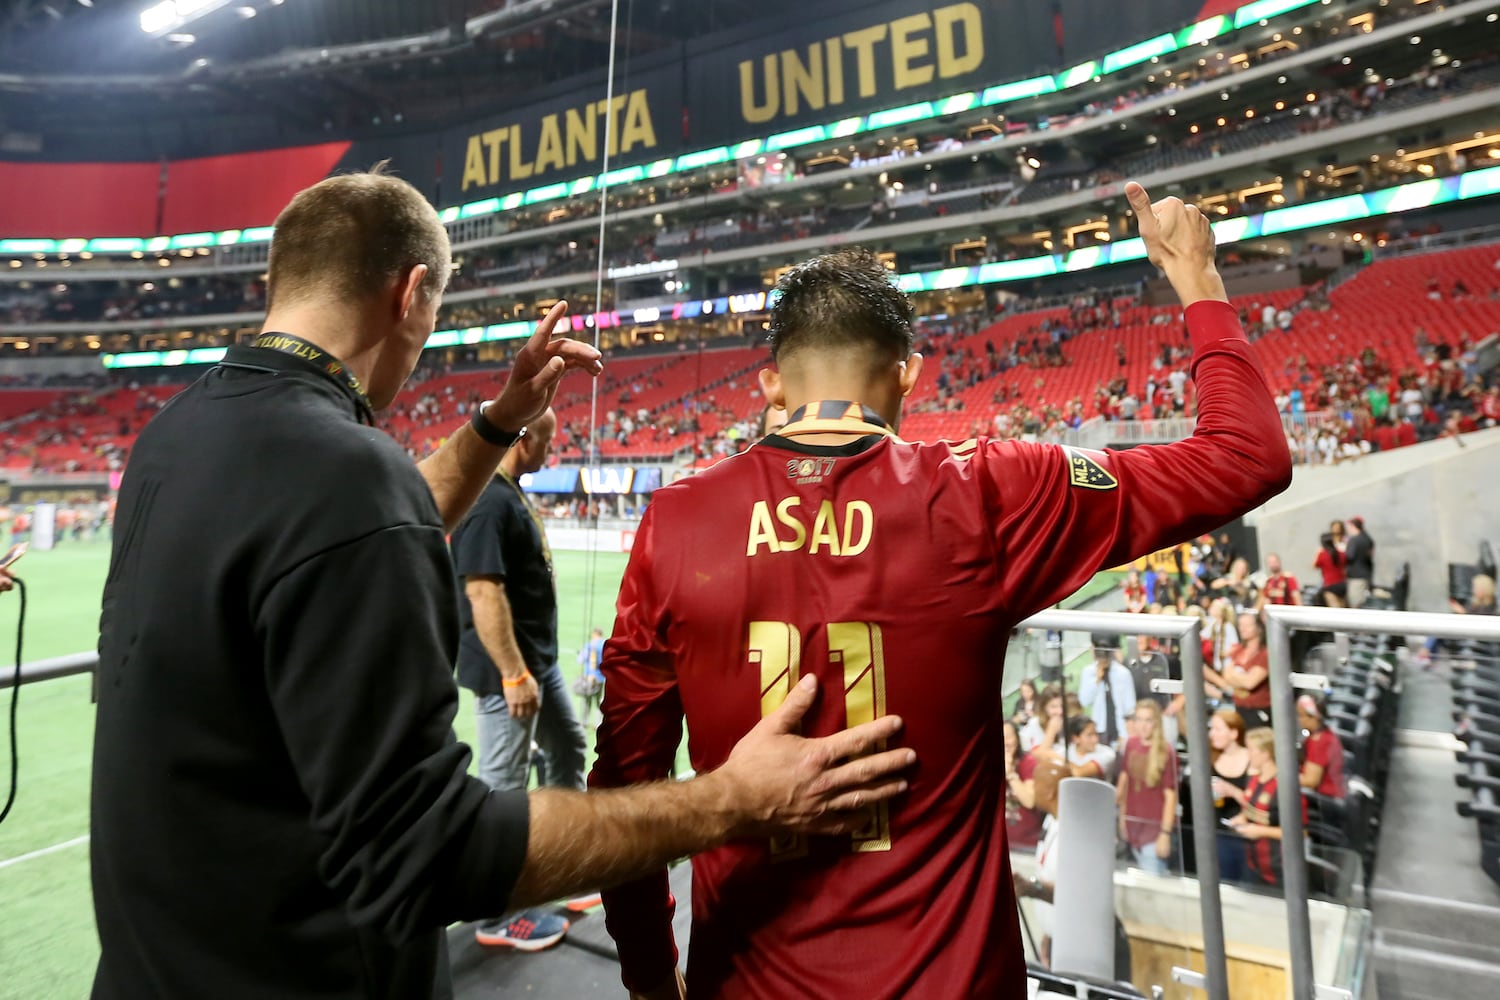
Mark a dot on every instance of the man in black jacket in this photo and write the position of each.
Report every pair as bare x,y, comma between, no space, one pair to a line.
279,807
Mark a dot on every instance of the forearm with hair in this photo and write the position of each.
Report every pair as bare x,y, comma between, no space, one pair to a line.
495,626
631,833
458,472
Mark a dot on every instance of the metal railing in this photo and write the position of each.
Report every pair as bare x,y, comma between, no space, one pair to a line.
51,669
1282,621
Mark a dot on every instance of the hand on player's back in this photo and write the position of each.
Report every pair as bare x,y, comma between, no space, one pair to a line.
537,370
785,783
1180,241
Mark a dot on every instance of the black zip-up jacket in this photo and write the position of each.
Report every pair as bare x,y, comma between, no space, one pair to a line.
280,809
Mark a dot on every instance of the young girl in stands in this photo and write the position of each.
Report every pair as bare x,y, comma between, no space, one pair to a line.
1323,764
1135,593
1259,821
1025,703
1147,790
1249,673
1023,820
1231,765
1044,731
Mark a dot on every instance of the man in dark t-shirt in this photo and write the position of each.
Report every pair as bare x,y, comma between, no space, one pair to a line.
507,654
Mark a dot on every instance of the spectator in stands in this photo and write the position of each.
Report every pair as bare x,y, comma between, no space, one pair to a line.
1107,691
1481,602
1088,756
772,419
1279,587
1359,562
1323,753
1249,673
1135,593
1023,821
1220,641
1482,599
1025,703
1157,660
1330,563
1147,790
1045,730
1236,585
1231,767
1259,821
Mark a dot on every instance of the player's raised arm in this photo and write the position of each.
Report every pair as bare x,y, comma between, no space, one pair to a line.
1065,513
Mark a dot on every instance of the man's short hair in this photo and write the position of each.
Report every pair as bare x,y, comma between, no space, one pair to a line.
350,236
844,300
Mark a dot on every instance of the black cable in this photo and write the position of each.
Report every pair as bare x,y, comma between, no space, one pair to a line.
15,701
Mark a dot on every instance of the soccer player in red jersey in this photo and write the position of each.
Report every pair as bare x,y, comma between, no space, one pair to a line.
894,571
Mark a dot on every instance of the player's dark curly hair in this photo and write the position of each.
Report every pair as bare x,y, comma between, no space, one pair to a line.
841,300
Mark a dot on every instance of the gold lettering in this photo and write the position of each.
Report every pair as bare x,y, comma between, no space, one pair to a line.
906,49
753,113
612,108
494,139
863,44
835,50
519,168
762,530
802,81
825,530
474,164
784,515
638,130
549,149
947,19
583,135
866,524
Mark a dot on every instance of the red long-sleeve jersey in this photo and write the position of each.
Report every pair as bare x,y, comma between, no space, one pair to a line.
895,572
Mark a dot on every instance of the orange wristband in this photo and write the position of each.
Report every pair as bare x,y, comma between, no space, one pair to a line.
507,682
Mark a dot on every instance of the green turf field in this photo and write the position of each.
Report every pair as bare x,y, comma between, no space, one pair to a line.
47,942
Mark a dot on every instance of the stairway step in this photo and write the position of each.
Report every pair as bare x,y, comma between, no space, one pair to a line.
1410,913
1411,970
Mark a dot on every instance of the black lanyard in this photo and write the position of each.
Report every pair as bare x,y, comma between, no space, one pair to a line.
331,366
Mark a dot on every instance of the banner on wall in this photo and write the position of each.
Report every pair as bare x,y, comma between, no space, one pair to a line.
566,137
870,56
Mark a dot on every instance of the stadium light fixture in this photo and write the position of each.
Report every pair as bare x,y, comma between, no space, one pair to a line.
170,15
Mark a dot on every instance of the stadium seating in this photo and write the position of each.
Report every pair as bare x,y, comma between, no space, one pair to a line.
691,396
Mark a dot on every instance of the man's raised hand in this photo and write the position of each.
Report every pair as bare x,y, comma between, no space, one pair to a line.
1180,241
538,368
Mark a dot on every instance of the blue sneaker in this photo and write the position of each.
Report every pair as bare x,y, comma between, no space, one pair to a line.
530,930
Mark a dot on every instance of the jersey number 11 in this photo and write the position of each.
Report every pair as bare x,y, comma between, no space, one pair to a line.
777,648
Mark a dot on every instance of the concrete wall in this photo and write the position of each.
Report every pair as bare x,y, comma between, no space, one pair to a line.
1429,505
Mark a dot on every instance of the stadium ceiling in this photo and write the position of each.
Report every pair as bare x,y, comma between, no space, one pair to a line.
368,58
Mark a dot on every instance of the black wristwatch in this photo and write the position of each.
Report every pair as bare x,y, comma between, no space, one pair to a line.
491,434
